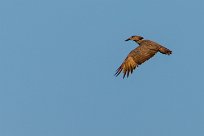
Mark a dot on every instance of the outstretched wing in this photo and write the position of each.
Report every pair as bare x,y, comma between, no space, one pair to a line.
127,66
135,58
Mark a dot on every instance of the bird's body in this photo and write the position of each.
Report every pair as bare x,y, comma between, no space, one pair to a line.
140,54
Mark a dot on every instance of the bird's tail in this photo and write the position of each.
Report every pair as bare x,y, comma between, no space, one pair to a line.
164,50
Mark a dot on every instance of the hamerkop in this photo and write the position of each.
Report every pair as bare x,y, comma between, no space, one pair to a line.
140,54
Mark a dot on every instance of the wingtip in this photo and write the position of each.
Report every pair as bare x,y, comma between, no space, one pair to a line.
127,39
118,71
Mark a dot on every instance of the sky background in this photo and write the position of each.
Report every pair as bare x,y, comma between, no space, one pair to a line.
58,59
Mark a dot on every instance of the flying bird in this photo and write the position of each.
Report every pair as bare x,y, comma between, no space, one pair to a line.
140,54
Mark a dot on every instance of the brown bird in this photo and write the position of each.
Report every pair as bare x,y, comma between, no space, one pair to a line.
140,54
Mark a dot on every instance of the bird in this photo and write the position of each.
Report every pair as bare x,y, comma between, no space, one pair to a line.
146,50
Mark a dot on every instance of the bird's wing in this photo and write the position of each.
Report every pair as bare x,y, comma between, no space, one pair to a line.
136,57
164,50
156,46
127,66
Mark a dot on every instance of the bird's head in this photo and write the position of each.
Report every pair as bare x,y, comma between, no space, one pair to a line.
135,38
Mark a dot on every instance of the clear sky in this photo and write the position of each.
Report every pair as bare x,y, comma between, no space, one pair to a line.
58,59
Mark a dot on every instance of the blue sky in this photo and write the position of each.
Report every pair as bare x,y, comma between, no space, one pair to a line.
58,58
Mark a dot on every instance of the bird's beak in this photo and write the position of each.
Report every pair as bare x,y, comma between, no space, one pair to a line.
127,39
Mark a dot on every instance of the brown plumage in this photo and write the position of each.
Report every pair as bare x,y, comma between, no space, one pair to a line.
140,54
